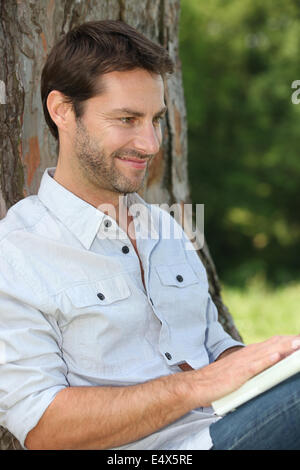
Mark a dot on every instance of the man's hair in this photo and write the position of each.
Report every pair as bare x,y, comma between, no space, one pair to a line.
76,63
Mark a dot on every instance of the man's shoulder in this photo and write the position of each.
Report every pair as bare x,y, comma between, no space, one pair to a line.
21,216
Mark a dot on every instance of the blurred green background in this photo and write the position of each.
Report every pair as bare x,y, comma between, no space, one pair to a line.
239,59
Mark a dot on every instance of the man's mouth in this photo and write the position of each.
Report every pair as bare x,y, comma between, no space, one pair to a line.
133,162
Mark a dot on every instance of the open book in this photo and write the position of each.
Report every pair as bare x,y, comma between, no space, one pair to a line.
282,370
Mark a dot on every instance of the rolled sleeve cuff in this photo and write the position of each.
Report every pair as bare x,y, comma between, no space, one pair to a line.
26,413
220,348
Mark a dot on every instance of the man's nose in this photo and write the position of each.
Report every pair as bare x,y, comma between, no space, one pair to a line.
148,139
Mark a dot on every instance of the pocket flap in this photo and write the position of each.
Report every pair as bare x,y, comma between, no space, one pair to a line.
102,292
179,275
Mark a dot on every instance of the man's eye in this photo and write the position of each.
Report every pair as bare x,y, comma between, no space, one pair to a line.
130,120
158,119
126,120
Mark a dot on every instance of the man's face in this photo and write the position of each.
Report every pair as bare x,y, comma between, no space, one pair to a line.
119,126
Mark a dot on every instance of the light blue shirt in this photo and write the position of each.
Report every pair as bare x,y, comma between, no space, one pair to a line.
74,310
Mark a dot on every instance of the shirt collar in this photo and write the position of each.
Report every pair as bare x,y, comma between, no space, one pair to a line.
80,217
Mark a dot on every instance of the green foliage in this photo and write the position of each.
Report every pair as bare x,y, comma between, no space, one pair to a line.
239,59
260,312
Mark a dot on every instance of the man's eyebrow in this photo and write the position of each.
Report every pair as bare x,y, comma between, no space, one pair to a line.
132,112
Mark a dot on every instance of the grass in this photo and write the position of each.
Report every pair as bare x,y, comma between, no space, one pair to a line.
259,311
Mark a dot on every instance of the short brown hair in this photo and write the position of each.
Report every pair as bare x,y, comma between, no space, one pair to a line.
90,50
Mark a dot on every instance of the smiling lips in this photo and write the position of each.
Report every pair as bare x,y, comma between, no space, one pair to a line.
134,162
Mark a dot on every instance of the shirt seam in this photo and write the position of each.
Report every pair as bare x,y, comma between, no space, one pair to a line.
89,282
43,302
20,229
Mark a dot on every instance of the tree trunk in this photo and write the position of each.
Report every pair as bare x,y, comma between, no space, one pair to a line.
28,30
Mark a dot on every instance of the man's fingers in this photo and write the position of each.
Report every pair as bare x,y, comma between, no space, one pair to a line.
277,348
282,344
296,343
258,357
259,364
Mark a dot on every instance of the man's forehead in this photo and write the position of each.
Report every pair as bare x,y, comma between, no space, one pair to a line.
129,90
131,81
137,74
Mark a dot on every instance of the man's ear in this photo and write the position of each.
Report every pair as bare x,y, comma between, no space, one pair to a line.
61,112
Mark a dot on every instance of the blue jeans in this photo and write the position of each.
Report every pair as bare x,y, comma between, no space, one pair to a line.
270,421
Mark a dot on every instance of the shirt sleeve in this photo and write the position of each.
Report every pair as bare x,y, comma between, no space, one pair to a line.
216,338
32,370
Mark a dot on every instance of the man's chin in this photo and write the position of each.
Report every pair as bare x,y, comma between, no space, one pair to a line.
131,186
128,189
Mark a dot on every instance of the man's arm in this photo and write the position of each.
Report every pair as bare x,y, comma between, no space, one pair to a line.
229,351
106,417
185,367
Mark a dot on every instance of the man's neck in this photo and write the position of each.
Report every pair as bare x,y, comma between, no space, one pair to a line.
103,199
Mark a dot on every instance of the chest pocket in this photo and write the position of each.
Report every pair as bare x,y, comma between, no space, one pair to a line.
88,309
101,293
95,318
181,302
178,275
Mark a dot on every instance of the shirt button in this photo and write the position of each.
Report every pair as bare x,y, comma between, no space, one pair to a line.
168,356
101,296
107,223
125,249
179,278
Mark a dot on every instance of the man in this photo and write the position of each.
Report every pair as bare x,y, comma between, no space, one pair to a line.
109,336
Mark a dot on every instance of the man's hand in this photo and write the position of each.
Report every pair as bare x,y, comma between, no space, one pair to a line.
226,375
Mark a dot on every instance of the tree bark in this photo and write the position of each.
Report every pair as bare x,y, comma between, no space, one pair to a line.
28,30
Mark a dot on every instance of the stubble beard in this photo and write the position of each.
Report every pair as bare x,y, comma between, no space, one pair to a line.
100,169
